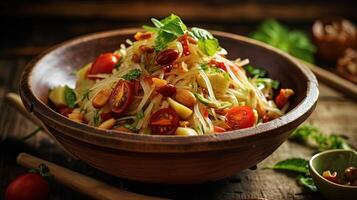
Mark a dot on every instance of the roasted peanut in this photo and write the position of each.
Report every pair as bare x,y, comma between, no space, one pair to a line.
167,57
146,49
182,66
185,97
107,124
136,58
142,36
101,98
76,116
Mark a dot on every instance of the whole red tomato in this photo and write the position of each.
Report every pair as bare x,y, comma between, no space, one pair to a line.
104,63
29,186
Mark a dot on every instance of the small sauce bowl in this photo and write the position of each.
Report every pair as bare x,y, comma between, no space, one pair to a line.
334,160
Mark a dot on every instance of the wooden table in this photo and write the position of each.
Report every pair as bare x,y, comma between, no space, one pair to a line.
334,113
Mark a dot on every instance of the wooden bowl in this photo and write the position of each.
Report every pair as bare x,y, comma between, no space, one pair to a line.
166,159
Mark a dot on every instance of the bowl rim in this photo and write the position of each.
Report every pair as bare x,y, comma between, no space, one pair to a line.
127,141
319,176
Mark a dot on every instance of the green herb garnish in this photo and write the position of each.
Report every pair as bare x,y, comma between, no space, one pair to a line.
96,118
207,102
307,182
255,72
140,115
298,165
132,128
70,96
292,164
85,94
295,43
313,137
133,74
167,29
206,42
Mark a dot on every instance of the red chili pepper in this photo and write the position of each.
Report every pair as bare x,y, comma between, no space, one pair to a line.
220,65
184,41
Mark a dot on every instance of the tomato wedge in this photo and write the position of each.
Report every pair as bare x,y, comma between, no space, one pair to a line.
121,97
104,64
218,129
164,122
240,117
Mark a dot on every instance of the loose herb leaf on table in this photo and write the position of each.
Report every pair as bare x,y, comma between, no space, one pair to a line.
295,43
307,182
292,164
312,136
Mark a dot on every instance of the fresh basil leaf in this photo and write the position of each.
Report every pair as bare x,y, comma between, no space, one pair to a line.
156,22
296,43
292,164
209,46
201,34
70,96
307,182
133,74
173,25
206,42
162,39
168,29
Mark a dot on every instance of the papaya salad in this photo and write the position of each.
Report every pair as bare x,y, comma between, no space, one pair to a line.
171,80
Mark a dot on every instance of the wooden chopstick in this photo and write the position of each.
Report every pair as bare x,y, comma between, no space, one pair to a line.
81,183
332,80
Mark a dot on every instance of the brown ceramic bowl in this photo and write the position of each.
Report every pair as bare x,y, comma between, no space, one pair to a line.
166,159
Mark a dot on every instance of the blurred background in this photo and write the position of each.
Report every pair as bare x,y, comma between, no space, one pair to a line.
28,27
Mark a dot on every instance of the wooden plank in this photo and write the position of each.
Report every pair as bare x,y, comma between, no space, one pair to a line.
201,10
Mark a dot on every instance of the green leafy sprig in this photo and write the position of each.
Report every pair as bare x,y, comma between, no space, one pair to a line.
172,27
296,43
313,137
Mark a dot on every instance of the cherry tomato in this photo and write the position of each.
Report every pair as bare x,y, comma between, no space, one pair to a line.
104,64
121,97
164,122
283,97
218,129
240,117
28,186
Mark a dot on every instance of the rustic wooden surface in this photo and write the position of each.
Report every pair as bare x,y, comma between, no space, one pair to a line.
30,35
